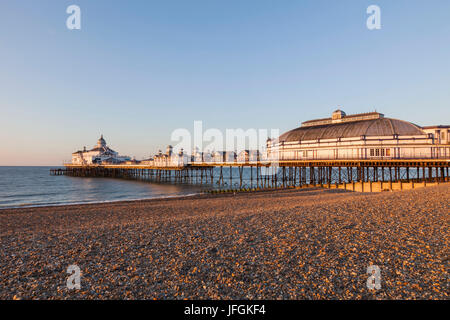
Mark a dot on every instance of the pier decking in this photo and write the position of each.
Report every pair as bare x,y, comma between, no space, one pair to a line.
266,174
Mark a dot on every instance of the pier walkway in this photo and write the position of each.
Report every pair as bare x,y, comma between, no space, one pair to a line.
263,174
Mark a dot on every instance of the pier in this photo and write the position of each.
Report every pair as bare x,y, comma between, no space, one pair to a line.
344,174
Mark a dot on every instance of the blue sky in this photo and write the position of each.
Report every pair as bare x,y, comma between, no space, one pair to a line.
137,70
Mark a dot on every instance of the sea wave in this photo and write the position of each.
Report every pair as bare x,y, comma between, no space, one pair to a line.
65,203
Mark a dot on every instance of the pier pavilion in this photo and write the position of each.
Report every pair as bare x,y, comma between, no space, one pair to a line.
101,153
360,136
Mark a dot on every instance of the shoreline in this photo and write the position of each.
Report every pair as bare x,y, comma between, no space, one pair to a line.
94,202
199,195
284,244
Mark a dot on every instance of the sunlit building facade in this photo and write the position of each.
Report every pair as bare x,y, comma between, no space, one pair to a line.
360,136
100,154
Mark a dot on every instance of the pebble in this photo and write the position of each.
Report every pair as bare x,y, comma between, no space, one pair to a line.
289,244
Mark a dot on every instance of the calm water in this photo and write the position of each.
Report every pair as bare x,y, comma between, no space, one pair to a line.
33,186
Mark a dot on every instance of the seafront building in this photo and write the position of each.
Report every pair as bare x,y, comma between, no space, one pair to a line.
100,154
365,136
249,156
201,156
170,158
359,152
441,134
360,136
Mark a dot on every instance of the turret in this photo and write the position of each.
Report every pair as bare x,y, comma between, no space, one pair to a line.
101,142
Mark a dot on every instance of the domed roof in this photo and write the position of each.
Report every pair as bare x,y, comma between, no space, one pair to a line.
101,142
372,127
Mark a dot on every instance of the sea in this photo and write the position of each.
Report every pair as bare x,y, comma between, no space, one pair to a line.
34,186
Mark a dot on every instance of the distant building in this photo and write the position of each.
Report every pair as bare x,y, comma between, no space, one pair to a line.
230,156
249,156
360,136
101,153
441,134
170,158
148,162
199,156
218,156
132,162
112,161
180,159
223,156
160,159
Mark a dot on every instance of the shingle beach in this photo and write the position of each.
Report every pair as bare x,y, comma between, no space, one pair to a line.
291,244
